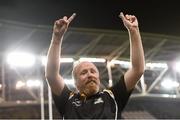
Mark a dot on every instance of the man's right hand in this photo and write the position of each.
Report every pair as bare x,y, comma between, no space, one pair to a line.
130,21
61,26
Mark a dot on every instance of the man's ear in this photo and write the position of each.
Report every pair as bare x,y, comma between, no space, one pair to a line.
76,83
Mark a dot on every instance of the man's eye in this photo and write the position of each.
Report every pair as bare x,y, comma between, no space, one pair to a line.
93,71
84,72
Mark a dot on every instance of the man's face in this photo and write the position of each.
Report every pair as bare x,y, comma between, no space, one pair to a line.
88,81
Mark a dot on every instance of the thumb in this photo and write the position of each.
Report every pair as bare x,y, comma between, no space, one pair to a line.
65,18
121,15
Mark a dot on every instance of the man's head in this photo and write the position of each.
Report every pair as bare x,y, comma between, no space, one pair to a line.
86,77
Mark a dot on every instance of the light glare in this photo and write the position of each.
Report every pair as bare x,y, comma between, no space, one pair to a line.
20,84
156,65
69,81
124,64
0,86
19,59
177,66
33,83
169,84
101,60
62,60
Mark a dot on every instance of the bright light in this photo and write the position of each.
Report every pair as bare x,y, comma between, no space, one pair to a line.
169,84
127,64
124,64
66,60
156,65
69,81
20,59
101,60
33,83
62,60
177,66
0,86
20,84
44,60
168,95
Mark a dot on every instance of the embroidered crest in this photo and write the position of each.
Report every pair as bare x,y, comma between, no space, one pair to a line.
77,103
99,100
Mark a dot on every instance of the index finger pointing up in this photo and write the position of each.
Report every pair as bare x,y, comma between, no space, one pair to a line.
72,17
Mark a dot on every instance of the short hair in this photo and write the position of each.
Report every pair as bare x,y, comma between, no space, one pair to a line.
75,64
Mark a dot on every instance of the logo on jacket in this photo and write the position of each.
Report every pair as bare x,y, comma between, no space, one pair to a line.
98,100
77,103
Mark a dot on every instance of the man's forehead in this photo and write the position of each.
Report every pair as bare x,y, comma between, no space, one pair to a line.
84,64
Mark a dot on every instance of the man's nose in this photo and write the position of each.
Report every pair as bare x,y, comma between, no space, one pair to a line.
90,74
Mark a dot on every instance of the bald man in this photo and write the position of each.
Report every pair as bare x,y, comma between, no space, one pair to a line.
90,102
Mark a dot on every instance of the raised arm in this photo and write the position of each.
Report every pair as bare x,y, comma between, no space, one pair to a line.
55,80
136,51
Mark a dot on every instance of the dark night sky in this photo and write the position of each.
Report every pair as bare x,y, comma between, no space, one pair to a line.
155,16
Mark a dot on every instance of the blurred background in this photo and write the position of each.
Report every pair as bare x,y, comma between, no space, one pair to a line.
96,34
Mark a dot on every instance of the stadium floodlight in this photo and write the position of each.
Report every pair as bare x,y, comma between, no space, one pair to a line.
20,59
169,84
66,60
69,81
169,96
99,60
154,65
33,83
20,84
177,66
62,60
124,64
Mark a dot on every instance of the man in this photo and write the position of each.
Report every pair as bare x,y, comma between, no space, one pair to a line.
90,102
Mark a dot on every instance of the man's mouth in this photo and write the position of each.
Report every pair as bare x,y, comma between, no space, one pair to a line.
89,81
